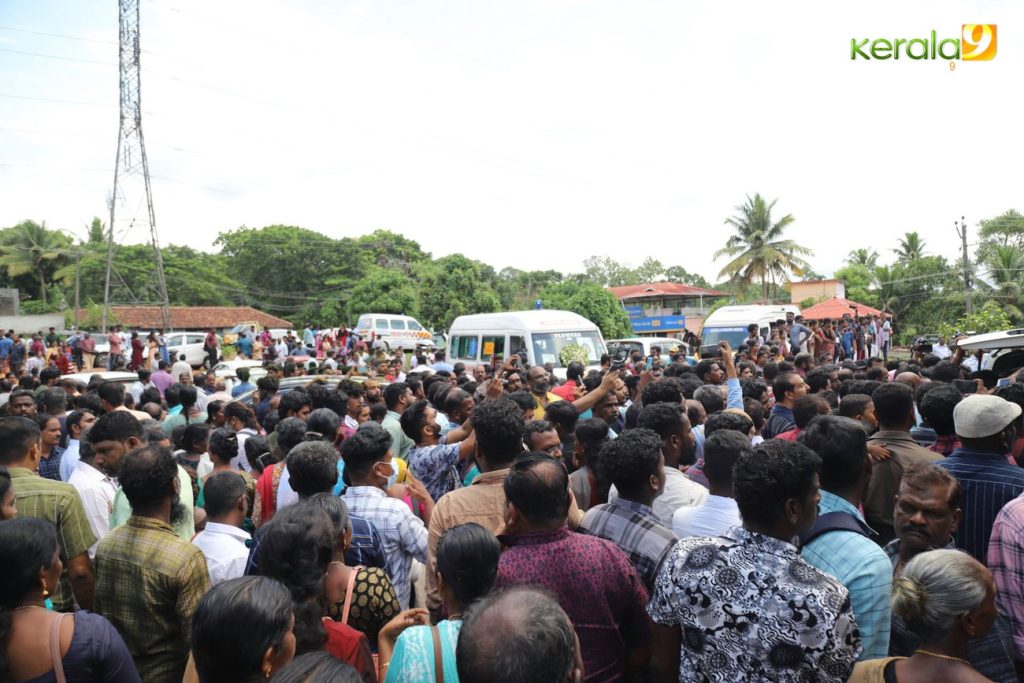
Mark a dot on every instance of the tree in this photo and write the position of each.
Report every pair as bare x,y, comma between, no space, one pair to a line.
1005,266
858,280
756,247
518,289
1005,230
97,232
911,247
387,249
863,257
593,302
684,277
991,318
605,272
383,291
30,249
452,286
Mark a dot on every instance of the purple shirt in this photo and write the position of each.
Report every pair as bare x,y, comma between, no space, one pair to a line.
161,379
595,584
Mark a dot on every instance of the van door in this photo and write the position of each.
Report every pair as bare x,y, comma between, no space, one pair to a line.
517,343
492,345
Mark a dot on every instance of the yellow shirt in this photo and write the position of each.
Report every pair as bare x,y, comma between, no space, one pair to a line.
538,412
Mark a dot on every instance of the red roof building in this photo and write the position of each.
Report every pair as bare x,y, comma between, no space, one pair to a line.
836,307
193,317
664,309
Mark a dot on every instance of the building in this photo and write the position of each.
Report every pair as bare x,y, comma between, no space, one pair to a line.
220,318
664,309
818,290
836,307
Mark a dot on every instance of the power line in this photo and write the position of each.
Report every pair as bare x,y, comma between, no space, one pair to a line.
66,59
59,101
58,35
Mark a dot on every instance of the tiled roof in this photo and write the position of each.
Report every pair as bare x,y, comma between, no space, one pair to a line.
661,289
194,317
835,308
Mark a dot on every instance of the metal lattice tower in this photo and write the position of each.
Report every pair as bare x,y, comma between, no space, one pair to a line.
131,202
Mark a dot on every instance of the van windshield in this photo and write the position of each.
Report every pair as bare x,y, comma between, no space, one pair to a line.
547,346
734,335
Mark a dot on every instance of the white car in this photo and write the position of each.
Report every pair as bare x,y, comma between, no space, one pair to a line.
228,369
119,377
189,343
1004,351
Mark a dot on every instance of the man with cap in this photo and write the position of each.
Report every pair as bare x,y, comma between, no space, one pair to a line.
988,480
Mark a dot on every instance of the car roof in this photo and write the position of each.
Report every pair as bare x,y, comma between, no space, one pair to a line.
108,376
990,341
553,320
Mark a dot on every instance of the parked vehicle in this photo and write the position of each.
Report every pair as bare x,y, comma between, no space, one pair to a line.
231,336
1004,351
125,378
537,336
729,323
627,346
394,331
189,343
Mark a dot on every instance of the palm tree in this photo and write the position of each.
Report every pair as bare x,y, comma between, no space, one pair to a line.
888,294
1005,266
911,247
756,247
863,257
30,248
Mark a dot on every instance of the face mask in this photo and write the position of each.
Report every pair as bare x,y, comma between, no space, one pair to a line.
393,477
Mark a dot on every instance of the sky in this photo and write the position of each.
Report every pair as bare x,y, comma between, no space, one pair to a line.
530,134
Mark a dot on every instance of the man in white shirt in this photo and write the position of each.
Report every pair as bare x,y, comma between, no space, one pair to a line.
78,422
180,366
137,388
677,445
97,492
719,512
941,350
223,540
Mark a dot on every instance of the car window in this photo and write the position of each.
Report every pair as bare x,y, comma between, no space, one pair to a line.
415,326
364,322
195,338
398,324
381,324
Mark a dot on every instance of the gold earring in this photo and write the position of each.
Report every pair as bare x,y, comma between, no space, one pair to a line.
45,591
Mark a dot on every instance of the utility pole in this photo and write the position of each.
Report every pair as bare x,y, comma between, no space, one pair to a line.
132,188
961,231
78,280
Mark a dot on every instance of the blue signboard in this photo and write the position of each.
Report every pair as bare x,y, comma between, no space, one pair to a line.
634,311
661,322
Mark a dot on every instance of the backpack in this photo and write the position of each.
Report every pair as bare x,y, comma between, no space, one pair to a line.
835,521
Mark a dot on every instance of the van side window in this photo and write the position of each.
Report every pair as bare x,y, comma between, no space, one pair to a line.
467,347
516,344
415,326
364,323
491,346
381,324
398,324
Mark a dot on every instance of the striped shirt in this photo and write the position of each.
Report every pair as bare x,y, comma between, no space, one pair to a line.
59,504
633,527
863,567
987,483
1006,560
403,535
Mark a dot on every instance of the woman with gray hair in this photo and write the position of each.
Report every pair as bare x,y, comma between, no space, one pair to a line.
947,598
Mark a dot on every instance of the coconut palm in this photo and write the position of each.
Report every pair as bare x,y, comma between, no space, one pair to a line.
757,250
863,257
911,247
1005,268
29,248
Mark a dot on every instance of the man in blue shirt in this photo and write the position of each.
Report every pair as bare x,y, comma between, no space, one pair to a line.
840,543
5,349
787,387
799,334
243,385
987,429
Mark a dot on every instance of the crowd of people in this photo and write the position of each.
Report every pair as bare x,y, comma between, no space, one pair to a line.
782,511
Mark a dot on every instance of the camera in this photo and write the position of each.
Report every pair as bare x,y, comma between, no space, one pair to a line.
711,351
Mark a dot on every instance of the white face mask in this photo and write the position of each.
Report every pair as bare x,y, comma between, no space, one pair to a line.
391,478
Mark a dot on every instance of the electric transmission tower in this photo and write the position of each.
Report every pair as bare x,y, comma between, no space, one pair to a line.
131,202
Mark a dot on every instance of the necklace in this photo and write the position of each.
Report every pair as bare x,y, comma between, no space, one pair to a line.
947,657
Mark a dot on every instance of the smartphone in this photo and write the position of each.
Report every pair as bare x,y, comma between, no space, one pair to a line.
966,386
1004,382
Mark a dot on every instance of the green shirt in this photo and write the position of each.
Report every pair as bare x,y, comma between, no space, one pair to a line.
59,504
400,443
185,529
148,585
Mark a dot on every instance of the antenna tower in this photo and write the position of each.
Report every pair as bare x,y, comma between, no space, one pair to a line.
131,201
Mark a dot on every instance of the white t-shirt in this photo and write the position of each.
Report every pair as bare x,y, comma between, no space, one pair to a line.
716,516
680,492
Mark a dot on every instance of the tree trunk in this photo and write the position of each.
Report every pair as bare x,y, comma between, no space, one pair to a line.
42,285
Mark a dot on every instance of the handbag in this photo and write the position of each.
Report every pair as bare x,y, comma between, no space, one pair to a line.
348,593
58,662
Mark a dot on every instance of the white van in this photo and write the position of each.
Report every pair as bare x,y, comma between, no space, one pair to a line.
541,334
729,323
395,331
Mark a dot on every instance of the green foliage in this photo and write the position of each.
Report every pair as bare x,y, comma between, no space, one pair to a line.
31,255
859,280
574,353
593,302
863,257
452,286
990,318
389,250
911,247
1005,230
1005,266
808,302
757,249
519,289
383,291
607,272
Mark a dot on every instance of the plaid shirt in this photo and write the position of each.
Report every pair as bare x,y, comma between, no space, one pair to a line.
945,445
59,504
402,533
633,527
49,467
148,585
860,565
1006,561
436,466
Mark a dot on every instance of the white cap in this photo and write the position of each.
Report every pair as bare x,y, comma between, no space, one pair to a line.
979,416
